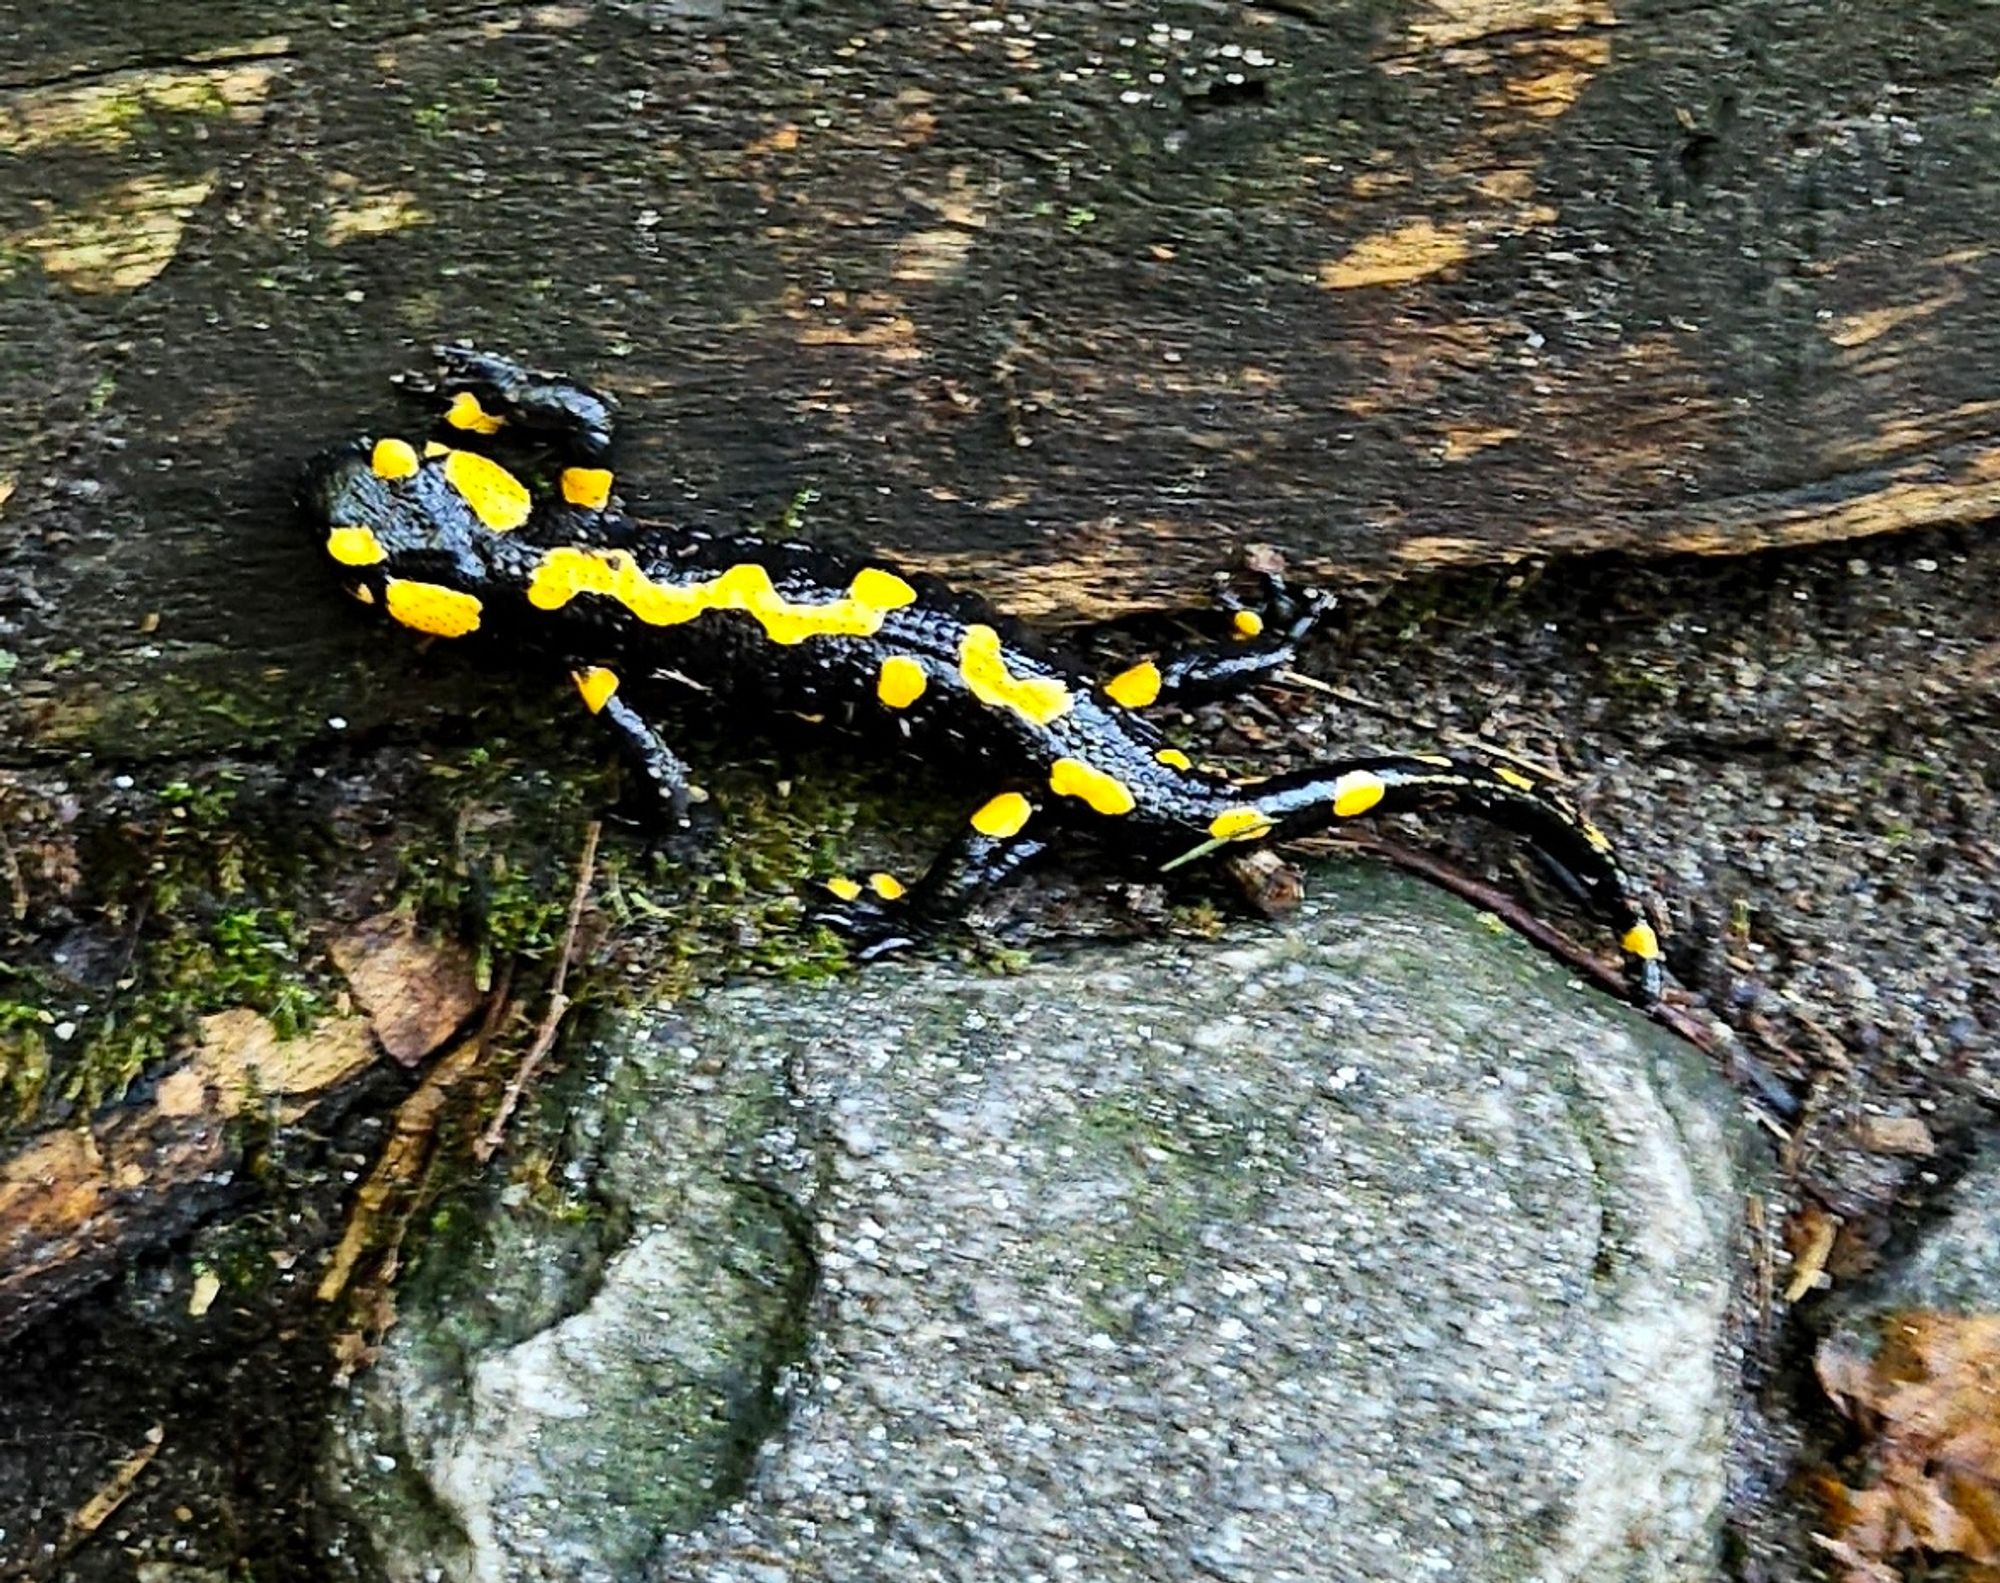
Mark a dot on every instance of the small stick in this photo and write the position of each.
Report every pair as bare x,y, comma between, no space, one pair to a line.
1548,772
110,1495
10,866
545,1035
1515,914
387,1196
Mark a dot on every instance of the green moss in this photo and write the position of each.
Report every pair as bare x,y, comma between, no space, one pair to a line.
26,1024
250,957
214,891
200,903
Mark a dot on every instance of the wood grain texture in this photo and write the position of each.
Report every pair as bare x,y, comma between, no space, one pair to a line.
78,1202
1069,303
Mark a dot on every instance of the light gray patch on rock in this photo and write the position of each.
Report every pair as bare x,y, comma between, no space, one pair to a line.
1953,1266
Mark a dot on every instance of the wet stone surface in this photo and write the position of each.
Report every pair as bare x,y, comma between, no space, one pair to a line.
1366,1245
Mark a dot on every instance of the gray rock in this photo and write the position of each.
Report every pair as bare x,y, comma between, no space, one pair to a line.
1361,1246
1953,1267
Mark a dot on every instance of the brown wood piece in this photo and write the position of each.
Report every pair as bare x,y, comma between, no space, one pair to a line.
76,1202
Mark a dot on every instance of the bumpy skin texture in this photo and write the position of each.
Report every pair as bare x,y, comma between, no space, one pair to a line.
504,529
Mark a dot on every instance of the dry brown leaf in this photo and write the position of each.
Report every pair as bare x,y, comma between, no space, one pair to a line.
415,994
1809,1234
1267,882
1929,1400
1896,1135
243,1058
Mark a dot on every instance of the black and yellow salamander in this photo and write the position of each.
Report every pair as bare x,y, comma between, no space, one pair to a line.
445,536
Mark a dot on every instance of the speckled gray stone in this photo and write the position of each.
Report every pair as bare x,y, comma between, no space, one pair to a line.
1365,1245
1954,1266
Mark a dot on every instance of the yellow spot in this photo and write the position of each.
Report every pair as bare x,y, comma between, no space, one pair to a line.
887,886
883,590
566,572
1135,688
1599,841
589,487
467,414
843,887
597,685
1105,793
393,459
1640,941
426,607
1239,824
1174,758
1248,624
981,662
1513,778
901,683
1003,816
1355,793
1390,258
436,448
355,547
497,497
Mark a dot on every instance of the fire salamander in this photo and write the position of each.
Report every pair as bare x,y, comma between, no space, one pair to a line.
444,537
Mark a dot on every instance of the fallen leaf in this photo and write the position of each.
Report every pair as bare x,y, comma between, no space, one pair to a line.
1929,1402
207,1287
242,1058
1809,1234
415,994
1896,1135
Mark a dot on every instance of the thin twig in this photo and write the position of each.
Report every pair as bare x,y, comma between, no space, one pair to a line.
1547,771
1515,914
110,1495
10,866
382,1205
545,1035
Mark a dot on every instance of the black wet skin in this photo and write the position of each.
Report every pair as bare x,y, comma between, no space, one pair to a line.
1092,759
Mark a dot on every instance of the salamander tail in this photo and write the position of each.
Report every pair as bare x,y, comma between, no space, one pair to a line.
1574,850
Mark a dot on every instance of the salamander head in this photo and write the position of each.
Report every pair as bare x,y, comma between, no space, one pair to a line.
403,533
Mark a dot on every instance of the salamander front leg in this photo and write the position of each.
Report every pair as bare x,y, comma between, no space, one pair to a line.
663,770
881,916
1264,639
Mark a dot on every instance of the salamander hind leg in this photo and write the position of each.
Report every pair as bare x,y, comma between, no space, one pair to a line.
879,916
1263,639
